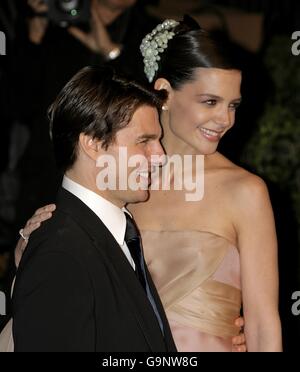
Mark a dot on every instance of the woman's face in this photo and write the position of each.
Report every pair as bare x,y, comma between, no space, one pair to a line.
203,110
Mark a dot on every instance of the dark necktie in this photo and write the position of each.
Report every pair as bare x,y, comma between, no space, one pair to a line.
134,244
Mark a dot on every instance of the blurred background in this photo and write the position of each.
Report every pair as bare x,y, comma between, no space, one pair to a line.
41,55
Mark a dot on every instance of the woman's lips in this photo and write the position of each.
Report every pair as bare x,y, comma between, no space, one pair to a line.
210,135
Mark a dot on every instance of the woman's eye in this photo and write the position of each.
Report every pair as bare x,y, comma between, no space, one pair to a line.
211,102
234,106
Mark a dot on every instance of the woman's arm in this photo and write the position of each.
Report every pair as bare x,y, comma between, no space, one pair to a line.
259,266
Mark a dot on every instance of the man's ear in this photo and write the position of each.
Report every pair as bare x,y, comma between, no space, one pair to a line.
91,147
164,84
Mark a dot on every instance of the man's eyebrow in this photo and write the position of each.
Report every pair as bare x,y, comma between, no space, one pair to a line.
148,137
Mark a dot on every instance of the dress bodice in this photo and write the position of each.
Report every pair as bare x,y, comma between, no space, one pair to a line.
197,275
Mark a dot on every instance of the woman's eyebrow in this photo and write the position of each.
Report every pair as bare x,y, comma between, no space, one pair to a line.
209,95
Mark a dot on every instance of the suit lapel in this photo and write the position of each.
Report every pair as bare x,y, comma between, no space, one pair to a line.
119,267
135,294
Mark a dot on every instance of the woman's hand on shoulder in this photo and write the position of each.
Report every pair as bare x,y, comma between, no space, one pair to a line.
41,215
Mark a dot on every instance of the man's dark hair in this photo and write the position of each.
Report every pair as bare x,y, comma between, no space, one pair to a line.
96,102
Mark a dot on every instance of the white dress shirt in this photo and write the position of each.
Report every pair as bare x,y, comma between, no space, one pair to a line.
112,216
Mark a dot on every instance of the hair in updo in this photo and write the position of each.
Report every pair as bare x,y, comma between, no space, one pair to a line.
191,48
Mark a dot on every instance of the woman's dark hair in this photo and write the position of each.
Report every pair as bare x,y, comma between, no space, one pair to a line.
191,48
96,102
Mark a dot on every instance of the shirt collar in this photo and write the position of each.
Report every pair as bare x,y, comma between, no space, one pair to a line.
112,216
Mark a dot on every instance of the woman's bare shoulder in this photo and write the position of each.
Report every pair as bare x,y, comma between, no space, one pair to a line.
242,185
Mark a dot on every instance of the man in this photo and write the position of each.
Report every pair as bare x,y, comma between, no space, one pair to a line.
50,55
80,285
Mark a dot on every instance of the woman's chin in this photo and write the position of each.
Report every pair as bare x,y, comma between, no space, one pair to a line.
207,149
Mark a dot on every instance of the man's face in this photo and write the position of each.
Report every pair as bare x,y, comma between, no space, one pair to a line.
133,151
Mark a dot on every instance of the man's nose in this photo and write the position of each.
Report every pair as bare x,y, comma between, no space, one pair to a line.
158,155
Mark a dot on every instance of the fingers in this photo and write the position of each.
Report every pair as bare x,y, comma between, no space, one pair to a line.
48,208
37,219
239,322
34,223
40,216
240,349
239,343
239,340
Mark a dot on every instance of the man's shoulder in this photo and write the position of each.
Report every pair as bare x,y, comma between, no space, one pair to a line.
61,224
62,234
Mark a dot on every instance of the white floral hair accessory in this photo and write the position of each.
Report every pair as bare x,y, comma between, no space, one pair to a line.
155,43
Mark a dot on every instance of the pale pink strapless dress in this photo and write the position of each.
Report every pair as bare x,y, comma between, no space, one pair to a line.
197,275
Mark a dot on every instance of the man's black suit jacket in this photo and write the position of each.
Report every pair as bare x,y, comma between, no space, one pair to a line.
76,291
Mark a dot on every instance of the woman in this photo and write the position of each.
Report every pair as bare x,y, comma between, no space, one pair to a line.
208,256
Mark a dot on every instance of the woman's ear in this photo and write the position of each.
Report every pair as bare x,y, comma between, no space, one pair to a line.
163,84
90,146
